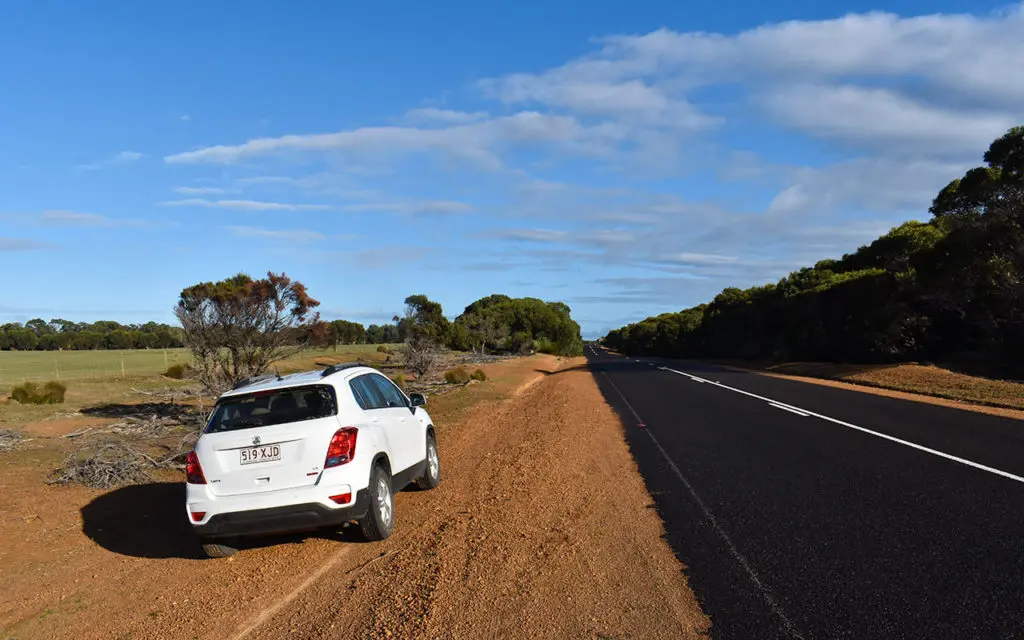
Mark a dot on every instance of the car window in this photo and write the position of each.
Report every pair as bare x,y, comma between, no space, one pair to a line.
266,408
366,393
392,396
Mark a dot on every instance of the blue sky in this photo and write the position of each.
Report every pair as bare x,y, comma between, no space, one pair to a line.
626,158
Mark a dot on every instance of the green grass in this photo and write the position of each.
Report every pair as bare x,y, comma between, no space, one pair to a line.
28,366
34,366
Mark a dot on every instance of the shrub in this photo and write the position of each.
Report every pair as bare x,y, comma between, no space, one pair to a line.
177,371
421,356
479,375
400,381
31,393
458,375
382,349
543,345
520,343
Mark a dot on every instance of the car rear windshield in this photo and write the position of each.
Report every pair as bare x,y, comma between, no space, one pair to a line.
265,408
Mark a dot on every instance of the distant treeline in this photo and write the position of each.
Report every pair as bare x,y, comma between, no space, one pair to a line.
948,290
496,323
58,334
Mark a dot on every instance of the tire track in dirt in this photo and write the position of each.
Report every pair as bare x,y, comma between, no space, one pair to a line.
294,593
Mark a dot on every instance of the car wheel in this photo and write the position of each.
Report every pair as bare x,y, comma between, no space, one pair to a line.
432,475
380,519
218,550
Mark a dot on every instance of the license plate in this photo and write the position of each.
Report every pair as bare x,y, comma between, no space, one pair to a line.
253,455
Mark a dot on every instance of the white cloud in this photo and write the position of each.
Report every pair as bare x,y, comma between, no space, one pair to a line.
63,218
531,235
871,118
443,116
955,93
198,191
881,185
121,158
480,143
246,205
288,235
333,184
22,244
420,207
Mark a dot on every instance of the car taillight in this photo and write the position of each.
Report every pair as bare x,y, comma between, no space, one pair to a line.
342,448
193,472
342,498
197,516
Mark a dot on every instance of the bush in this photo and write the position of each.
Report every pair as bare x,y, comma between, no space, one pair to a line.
458,375
382,349
479,375
177,371
421,356
31,393
543,345
400,381
520,343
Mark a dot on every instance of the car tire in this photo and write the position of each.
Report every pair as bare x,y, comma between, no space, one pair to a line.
432,473
380,518
218,550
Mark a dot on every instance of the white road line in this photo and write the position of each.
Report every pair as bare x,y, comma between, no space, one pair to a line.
737,556
789,409
907,443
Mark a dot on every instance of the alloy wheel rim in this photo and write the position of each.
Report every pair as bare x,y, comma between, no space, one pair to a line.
384,501
432,461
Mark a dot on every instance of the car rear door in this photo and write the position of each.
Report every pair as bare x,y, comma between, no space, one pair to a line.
380,406
410,445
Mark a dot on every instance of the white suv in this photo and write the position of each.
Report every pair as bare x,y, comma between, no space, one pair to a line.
308,450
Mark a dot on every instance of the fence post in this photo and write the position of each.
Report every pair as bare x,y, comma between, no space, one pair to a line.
121,353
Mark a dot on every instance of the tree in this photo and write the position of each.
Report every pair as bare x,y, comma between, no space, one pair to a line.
239,327
498,322
424,320
345,332
425,329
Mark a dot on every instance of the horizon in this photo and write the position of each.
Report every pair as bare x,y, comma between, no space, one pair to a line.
624,161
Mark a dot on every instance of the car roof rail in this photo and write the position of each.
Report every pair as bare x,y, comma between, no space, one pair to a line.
254,380
335,368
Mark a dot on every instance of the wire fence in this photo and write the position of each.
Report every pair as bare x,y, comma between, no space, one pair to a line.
40,366
36,366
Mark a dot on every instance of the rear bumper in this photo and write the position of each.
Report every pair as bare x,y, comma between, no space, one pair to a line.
284,519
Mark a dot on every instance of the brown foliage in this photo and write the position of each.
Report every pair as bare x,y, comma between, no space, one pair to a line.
238,327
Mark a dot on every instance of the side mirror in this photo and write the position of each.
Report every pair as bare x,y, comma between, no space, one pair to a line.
417,399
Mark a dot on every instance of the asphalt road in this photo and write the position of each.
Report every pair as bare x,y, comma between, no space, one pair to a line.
833,513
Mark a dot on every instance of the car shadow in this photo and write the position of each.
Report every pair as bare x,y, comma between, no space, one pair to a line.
148,521
142,520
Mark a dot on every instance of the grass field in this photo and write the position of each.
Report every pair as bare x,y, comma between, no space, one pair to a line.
21,366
